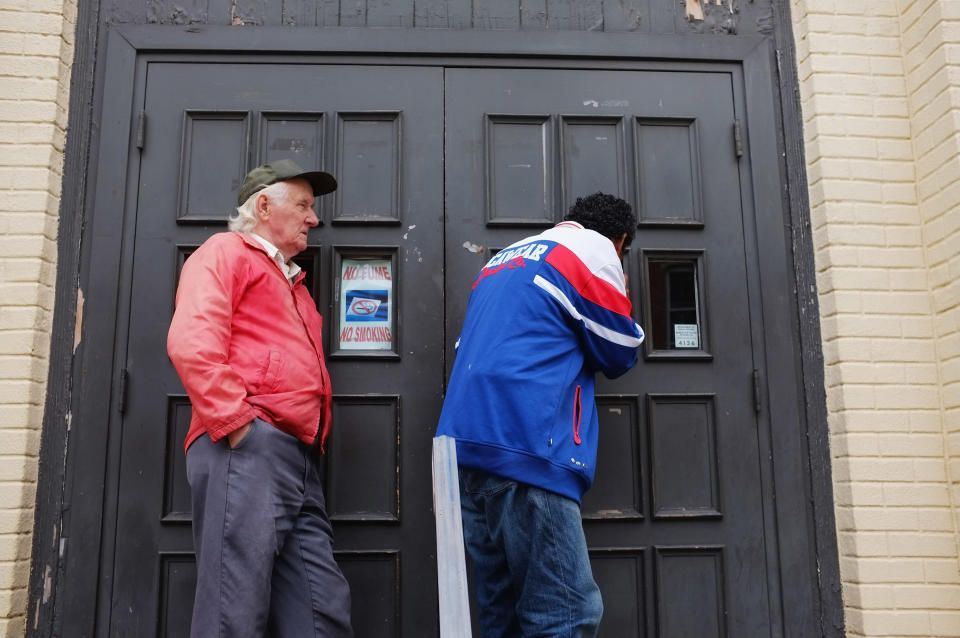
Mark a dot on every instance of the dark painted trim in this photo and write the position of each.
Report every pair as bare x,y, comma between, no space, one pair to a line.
436,42
46,565
783,412
817,439
75,576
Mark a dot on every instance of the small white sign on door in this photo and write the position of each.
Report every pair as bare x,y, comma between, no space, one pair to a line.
686,335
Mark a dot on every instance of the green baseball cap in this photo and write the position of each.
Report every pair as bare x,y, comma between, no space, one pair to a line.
280,170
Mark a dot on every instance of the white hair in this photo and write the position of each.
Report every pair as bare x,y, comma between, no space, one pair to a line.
246,219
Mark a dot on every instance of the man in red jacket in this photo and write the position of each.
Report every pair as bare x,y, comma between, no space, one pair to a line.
246,342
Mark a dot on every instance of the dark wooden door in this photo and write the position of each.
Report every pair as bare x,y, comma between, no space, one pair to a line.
675,521
438,170
374,267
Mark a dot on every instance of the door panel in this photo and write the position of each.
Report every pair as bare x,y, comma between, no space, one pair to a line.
675,519
379,130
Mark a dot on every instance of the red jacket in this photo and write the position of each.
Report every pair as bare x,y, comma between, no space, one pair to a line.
246,344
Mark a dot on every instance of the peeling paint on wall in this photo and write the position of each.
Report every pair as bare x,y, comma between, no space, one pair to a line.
78,325
713,16
695,8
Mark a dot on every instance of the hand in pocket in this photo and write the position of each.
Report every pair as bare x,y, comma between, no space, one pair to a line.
237,435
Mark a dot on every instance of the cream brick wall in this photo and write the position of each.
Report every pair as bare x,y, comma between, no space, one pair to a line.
931,40
36,53
878,83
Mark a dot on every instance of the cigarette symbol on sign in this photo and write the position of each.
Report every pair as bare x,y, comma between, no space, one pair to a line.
366,305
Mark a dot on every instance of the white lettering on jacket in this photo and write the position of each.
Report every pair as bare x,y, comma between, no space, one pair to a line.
530,251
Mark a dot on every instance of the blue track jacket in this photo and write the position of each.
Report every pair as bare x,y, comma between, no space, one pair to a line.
545,314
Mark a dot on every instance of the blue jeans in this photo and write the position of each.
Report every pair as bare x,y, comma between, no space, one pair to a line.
530,561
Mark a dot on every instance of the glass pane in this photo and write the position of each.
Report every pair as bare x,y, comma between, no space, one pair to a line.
674,304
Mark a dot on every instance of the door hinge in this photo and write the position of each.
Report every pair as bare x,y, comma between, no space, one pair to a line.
122,391
738,138
141,129
756,391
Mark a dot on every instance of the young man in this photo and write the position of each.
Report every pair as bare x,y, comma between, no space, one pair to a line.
545,315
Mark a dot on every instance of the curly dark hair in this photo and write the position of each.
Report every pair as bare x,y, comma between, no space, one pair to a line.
607,214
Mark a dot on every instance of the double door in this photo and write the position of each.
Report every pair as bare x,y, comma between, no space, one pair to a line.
439,168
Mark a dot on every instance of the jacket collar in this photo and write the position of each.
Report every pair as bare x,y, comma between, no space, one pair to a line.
252,241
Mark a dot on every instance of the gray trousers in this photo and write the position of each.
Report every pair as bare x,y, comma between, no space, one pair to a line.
263,542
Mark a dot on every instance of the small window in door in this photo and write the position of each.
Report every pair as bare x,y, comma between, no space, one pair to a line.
365,318
673,305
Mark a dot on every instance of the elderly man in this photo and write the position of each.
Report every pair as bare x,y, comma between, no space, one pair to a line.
246,342
545,315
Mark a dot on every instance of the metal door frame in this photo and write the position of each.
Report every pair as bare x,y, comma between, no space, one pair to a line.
70,544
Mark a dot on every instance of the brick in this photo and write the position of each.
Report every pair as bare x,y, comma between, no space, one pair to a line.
15,368
881,302
927,545
18,65
23,154
14,546
863,544
25,271
934,520
915,279
23,201
16,342
863,147
861,278
821,62
893,171
882,570
911,445
918,327
925,494
868,596
33,22
941,571
894,149
840,301
868,373
35,6
15,572
19,442
18,468
839,256
20,417
881,469
851,397
21,223
856,445
945,623
28,88
20,293
868,326
25,133
17,495
16,626
857,493
854,618
847,349
896,623
890,421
